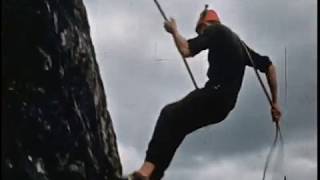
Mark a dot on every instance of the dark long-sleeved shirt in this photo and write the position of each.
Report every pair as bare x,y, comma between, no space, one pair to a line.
227,57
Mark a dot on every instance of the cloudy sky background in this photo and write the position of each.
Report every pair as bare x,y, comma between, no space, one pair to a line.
142,71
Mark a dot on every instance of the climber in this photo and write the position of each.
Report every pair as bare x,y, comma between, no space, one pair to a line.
210,104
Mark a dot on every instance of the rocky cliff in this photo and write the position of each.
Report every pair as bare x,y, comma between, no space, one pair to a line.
55,123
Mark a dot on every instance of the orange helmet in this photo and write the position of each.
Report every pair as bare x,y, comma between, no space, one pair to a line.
207,16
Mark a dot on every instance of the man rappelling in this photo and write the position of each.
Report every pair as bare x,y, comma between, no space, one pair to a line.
211,104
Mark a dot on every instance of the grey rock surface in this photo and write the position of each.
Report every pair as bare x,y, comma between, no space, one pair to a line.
55,122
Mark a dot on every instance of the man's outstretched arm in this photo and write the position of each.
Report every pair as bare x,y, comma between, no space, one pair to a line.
181,43
264,64
272,82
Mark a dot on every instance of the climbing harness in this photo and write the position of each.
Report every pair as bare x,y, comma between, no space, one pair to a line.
278,135
184,60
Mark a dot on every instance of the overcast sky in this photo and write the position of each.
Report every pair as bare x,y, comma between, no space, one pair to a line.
142,72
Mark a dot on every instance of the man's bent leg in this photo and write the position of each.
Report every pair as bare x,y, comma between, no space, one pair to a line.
167,136
199,108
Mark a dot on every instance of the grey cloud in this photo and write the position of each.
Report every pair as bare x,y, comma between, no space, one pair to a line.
138,85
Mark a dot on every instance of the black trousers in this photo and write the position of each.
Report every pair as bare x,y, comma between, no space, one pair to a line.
199,108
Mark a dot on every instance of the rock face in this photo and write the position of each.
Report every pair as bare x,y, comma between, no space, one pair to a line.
55,123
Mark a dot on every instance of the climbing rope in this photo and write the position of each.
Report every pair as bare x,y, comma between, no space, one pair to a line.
184,59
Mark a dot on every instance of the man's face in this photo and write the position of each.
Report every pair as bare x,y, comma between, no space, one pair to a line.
201,24
200,27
